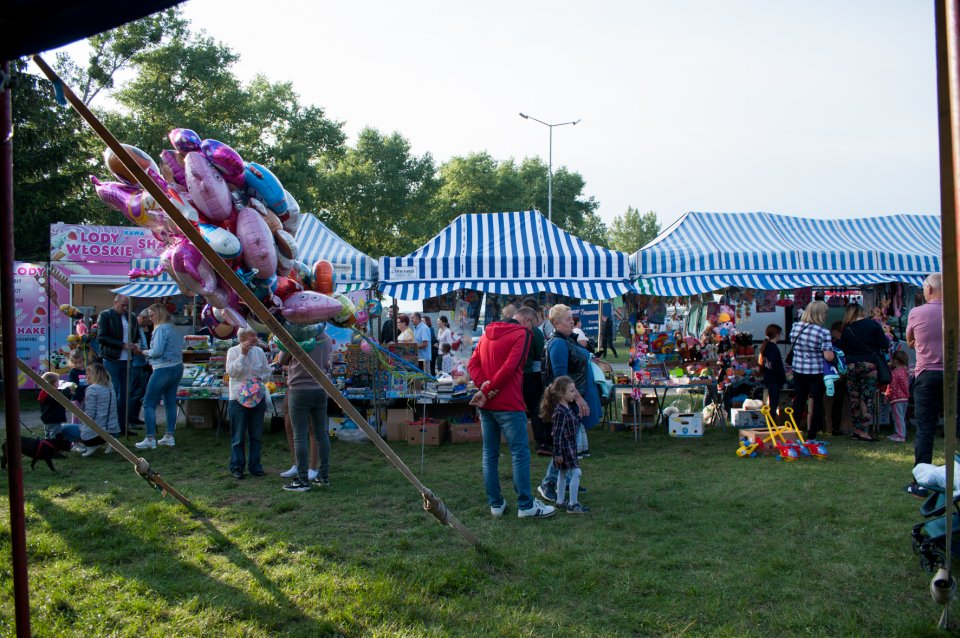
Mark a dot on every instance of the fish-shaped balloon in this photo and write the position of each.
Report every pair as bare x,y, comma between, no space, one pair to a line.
265,186
259,251
227,160
310,307
127,200
221,240
209,190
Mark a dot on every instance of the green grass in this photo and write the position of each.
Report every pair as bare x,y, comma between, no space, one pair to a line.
684,539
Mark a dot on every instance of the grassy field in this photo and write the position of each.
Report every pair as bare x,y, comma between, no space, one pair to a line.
684,539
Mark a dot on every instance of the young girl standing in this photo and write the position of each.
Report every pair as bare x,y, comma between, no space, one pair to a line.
101,406
771,362
898,393
556,407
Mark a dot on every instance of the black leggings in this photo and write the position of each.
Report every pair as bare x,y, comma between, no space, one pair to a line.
807,386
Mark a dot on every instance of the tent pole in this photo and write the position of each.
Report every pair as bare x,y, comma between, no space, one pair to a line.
18,537
948,111
431,503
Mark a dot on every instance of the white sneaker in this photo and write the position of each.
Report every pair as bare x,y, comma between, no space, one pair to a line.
538,510
109,450
498,511
167,440
78,447
148,443
289,473
91,449
311,475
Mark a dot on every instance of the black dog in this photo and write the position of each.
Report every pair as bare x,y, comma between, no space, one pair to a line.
39,450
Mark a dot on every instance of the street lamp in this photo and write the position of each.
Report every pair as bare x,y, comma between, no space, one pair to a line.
550,160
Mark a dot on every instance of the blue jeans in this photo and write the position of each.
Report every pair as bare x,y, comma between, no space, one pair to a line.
514,428
68,431
246,423
118,374
927,404
306,406
162,385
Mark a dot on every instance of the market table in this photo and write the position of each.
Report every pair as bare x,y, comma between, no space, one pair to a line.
710,390
220,407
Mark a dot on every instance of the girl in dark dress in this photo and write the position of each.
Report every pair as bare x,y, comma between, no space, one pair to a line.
771,363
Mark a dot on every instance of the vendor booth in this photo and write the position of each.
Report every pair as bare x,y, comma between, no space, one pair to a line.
506,253
704,252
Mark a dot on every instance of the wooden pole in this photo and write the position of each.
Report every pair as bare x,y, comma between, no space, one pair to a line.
948,110
18,526
430,502
141,465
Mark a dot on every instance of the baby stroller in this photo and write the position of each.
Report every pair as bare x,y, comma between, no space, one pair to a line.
929,536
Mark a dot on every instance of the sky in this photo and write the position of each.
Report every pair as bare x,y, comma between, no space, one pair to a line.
818,108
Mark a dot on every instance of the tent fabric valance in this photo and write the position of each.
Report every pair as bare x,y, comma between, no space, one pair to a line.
704,252
352,269
506,253
149,287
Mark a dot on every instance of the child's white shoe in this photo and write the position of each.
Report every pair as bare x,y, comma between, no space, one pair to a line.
167,440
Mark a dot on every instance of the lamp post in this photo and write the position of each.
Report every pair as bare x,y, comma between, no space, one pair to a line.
550,160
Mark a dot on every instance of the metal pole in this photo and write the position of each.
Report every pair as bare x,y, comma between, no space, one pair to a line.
550,177
18,527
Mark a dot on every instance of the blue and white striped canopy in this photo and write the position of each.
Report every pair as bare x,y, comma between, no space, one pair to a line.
352,269
149,287
704,252
506,253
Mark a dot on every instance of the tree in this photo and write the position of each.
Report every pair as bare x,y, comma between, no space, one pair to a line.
631,231
381,195
114,50
52,148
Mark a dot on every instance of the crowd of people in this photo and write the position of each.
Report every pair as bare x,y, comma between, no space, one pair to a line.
525,366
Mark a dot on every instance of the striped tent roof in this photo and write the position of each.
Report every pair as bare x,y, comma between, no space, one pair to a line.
704,252
353,270
506,253
149,287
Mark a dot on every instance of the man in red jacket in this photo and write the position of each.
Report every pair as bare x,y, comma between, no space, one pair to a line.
496,368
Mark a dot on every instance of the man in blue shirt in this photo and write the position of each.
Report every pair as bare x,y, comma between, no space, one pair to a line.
421,334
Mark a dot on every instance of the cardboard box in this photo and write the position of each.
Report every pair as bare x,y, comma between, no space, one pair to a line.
747,419
754,435
429,432
395,423
202,413
465,432
648,405
685,425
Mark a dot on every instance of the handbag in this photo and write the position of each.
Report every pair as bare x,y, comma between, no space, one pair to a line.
884,376
789,358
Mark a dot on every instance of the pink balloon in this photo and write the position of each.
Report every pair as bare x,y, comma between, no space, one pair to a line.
172,168
259,251
184,139
310,307
206,185
365,347
192,269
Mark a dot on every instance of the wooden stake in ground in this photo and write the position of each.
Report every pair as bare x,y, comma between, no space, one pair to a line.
431,503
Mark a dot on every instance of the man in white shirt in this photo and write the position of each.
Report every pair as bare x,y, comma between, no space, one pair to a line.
421,334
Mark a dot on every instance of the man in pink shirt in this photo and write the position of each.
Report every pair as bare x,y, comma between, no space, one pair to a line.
925,335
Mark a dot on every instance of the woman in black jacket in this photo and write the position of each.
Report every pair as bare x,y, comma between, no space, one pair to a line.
862,341
771,362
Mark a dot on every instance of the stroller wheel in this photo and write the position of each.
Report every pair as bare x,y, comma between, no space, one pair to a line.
931,561
917,545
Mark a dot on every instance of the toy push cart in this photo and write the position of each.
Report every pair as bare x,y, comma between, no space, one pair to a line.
930,536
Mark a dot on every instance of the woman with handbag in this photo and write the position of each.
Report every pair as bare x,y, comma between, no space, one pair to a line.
865,346
811,346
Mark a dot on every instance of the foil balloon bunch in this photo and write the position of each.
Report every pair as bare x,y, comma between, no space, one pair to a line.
242,210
